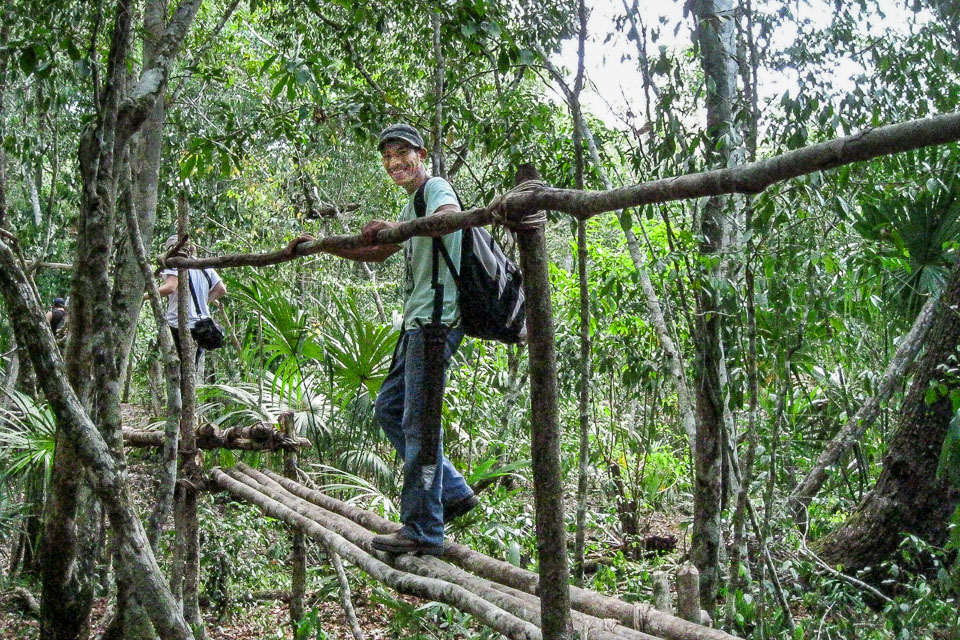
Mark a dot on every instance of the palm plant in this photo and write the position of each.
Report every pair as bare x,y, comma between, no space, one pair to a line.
357,356
327,372
914,231
27,429
281,340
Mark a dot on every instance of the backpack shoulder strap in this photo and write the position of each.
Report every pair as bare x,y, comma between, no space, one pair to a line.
420,208
193,294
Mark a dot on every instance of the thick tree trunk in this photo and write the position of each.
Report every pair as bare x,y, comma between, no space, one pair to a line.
908,497
715,30
90,361
146,149
76,428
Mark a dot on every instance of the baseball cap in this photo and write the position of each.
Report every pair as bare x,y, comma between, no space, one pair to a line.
400,131
59,302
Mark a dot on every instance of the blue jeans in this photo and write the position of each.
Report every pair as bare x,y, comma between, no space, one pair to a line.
399,409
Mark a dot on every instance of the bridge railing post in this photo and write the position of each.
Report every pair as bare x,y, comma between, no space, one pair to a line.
661,592
298,553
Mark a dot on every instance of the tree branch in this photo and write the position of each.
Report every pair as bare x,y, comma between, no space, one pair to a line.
748,178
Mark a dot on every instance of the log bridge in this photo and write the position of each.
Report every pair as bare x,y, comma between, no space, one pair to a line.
496,593
257,437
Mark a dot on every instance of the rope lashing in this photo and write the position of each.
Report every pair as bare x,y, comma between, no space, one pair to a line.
506,209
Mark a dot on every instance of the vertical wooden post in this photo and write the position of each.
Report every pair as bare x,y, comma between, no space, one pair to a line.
298,553
661,592
185,576
688,593
545,431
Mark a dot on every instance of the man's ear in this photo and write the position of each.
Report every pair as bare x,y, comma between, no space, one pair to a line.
422,152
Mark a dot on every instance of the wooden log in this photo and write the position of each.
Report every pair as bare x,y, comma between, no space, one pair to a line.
747,178
214,440
639,616
28,603
433,590
544,424
688,593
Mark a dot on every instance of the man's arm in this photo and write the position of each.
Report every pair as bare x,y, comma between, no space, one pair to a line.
169,286
217,292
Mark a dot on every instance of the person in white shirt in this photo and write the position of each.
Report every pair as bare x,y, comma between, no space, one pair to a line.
206,284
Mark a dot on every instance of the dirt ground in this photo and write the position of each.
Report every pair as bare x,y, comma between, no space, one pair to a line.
262,622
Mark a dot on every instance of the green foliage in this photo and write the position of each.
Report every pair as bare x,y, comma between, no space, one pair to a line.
950,455
356,350
912,227
27,429
308,627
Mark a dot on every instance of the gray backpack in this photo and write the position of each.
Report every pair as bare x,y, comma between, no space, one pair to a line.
489,285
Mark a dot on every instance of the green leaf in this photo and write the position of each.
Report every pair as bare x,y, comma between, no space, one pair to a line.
303,75
527,57
492,28
28,60
188,166
72,50
267,64
468,29
277,88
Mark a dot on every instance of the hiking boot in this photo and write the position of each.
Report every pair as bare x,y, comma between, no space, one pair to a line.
459,508
398,543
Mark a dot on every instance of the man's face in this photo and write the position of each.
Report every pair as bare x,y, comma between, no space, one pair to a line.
402,162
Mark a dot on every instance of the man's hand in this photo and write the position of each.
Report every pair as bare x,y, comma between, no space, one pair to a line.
370,230
296,242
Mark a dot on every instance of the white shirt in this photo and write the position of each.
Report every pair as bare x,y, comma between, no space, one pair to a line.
202,288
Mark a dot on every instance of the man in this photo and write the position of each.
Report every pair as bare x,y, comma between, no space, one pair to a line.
433,493
57,314
207,287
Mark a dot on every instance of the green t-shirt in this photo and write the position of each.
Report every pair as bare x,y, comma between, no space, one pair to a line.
418,258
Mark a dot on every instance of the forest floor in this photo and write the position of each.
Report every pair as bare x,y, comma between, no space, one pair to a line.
255,623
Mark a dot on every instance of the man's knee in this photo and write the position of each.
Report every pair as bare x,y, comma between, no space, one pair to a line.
382,412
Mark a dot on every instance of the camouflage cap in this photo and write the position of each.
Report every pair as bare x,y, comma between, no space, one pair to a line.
403,132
